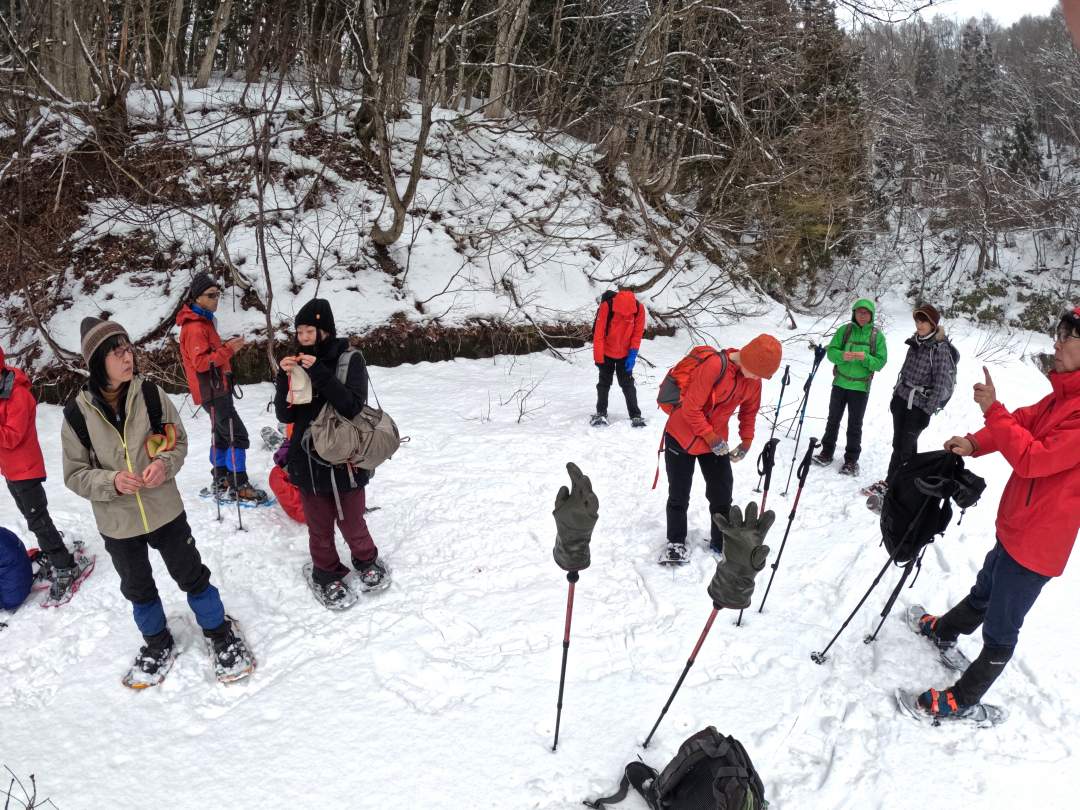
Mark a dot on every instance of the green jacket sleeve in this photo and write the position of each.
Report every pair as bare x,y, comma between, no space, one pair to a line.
877,358
836,347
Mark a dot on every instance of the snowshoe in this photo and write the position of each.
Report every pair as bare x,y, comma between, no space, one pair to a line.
229,654
272,438
65,582
849,468
335,595
922,623
875,503
151,666
372,576
920,707
228,498
638,421
879,488
249,495
598,420
823,459
42,569
674,554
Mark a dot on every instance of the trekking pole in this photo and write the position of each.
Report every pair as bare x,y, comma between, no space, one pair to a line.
819,355
572,578
819,657
804,469
213,458
686,669
772,431
236,488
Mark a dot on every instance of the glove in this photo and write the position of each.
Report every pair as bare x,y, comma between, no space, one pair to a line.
744,555
738,454
576,511
631,358
720,448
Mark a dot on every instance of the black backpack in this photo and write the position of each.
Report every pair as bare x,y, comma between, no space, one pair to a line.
709,772
917,503
75,418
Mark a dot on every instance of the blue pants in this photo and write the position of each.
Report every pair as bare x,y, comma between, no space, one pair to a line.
1003,594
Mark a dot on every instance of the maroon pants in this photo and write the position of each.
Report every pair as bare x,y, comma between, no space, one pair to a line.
321,514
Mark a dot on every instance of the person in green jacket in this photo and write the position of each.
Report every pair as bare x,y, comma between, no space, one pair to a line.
857,351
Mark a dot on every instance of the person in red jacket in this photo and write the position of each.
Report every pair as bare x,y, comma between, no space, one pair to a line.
698,430
1037,521
23,467
620,323
209,376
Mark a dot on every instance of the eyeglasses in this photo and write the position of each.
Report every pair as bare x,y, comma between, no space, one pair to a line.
1064,335
120,351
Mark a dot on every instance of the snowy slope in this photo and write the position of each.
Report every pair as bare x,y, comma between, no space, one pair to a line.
441,691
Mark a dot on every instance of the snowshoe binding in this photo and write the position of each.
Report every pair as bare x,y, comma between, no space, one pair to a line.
334,595
923,623
229,653
638,421
823,459
151,666
935,708
674,554
849,468
64,583
371,576
598,420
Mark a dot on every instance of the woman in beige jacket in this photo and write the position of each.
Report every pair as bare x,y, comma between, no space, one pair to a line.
123,445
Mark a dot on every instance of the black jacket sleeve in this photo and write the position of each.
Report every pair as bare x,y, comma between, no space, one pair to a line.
281,398
347,399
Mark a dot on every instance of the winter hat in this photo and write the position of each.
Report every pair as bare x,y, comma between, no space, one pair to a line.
200,284
317,313
929,312
761,356
94,331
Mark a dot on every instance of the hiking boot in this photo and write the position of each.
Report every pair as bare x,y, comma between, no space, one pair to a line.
675,554
230,651
824,458
942,705
637,421
928,627
152,660
849,468
246,492
372,575
598,420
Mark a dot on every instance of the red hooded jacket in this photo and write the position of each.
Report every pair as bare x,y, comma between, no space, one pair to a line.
20,453
1039,513
708,404
620,323
201,347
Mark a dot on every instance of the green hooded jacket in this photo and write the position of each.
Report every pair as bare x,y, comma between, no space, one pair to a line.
855,375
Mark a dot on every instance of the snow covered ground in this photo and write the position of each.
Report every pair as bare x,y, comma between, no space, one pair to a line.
440,692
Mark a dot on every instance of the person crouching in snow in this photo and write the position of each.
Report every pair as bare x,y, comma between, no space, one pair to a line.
23,467
857,351
925,384
16,574
328,493
127,470
1037,521
620,323
208,370
697,431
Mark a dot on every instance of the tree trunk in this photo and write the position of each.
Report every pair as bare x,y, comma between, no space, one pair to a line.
221,19
168,50
511,24
63,63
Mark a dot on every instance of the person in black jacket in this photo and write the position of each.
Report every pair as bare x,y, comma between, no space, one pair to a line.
328,493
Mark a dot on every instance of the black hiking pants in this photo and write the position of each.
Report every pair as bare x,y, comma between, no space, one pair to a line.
908,423
616,367
30,497
855,403
680,475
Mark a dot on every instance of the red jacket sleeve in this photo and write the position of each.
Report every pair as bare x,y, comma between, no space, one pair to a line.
20,414
599,333
639,328
748,410
195,347
1029,457
984,439
698,398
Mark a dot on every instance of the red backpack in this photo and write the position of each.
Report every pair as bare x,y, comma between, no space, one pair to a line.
678,378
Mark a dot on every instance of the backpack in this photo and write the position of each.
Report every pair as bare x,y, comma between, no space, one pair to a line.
607,298
709,772
916,507
679,376
951,382
365,441
873,344
151,397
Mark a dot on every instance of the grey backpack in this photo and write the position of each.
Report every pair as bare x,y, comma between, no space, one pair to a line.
365,441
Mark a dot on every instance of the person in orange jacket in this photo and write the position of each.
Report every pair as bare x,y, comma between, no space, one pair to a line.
698,431
209,375
620,323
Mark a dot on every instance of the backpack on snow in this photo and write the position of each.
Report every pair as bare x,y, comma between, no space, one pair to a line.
365,441
916,507
162,434
709,772
678,379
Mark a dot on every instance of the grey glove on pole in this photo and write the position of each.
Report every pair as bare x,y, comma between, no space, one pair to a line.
576,511
732,585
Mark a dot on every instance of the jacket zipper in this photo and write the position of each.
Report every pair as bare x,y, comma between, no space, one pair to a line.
1031,489
127,458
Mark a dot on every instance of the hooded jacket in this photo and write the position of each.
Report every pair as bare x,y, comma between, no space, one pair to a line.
708,404
928,376
119,441
1039,513
620,324
855,375
206,359
20,453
